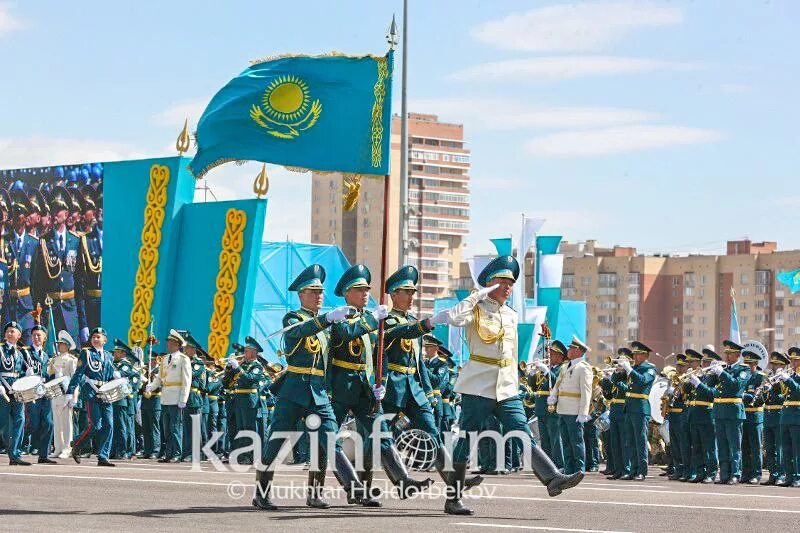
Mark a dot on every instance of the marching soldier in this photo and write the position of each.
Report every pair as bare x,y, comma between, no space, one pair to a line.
213,394
39,413
448,394
728,412
151,418
242,381
194,404
438,373
351,349
12,367
700,399
488,382
123,425
20,254
677,416
301,392
754,421
637,409
175,381
773,404
544,379
64,364
615,387
54,276
790,420
95,369
572,396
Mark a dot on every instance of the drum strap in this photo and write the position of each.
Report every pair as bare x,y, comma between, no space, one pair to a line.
5,383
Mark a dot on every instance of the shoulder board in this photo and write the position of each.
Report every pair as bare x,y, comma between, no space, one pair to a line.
76,234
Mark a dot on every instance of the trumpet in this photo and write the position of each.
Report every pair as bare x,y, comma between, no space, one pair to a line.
530,368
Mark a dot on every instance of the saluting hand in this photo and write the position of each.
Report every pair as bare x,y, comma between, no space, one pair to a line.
484,292
380,312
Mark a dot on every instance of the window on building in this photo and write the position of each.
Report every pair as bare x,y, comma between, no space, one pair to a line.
675,320
688,319
701,320
744,291
688,279
701,292
702,279
568,281
586,281
702,306
687,332
742,320
676,280
763,304
633,278
607,280
743,306
744,279
633,308
633,333
688,291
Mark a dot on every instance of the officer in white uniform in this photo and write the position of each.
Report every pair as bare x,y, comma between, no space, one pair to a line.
63,365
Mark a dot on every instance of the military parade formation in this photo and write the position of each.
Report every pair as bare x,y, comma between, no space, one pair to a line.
724,416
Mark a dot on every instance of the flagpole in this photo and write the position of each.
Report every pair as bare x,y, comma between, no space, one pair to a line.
403,141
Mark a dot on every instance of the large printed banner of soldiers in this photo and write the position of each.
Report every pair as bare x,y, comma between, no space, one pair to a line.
52,246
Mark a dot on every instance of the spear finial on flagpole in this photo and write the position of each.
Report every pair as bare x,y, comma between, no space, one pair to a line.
391,34
184,142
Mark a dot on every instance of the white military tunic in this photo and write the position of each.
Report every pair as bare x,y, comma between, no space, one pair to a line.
574,388
497,376
174,378
63,364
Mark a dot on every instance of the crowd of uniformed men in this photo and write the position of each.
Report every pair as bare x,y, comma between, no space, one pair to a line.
717,411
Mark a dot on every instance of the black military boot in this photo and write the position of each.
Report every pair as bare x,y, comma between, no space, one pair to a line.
455,487
316,482
263,488
549,475
441,462
370,494
346,475
398,474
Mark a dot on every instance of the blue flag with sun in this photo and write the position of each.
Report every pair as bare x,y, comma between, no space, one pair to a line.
791,279
329,113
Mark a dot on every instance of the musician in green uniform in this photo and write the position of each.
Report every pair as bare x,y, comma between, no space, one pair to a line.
122,422
213,394
703,444
615,386
728,412
301,392
544,379
194,405
641,376
677,415
790,419
438,373
151,418
754,421
242,381
448,394
773,404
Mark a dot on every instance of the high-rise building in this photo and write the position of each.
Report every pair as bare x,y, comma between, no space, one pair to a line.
676,302
438,196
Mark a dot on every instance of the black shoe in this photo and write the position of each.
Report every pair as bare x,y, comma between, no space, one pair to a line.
707,480
606,472
733,481
626,477
753,481
346,475
369,495
674,477
46,461
721,482
549,475
316,481
76,455
263,488
594,469
441,462
770,481
18,462
454,505
796,483
104,462
639,477
398,474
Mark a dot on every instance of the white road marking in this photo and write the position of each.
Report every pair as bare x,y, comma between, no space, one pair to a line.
637,504
724,494
538,528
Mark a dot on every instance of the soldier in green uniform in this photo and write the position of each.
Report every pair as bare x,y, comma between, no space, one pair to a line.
438,373
151,420
213,394
790,420
122,421
406,379
301,392
704,463
614,388
754,421
448,393
728,412
544,378
677,415
242,381
773,403
194,405
641,376
351,359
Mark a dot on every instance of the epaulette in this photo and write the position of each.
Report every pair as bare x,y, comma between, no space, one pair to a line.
77,234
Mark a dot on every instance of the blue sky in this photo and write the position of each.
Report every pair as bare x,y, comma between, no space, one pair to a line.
670,126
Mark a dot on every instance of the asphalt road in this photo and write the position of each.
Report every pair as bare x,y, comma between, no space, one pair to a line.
146,496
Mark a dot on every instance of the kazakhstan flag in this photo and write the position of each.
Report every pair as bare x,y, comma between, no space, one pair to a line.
791,279
328,113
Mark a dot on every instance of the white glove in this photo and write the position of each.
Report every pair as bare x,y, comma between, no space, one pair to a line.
541,367
695,381
181,405
715,369
626,366
116,374
70,402
484,292
441,317
784,376
59,374
434,402
552,399
380,312
84,334
65,385
233,364
338,314
379,391
583,418
148,387
29,372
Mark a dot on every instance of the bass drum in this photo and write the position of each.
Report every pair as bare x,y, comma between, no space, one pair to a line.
660,387
763,354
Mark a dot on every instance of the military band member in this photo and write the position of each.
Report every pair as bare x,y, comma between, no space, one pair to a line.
615,387
728,412
774,397
175,381
438,373
448,394
213,394
544,379
64,364
407,380
301,392
123,423
39,413
20,254
488,382
677,416
151,416
351,348
790,420
700,399
12,367
641,376
572,396
194,404
95,369
754,421
242,381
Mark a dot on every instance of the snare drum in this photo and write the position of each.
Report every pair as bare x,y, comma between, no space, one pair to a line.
55,387
114,390
28,389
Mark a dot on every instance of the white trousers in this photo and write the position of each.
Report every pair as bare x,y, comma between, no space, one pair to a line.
62,426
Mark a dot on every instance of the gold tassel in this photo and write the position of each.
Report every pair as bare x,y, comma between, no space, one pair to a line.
352,185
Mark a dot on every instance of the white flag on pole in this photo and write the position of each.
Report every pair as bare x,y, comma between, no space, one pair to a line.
550,270
536,316
530,227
